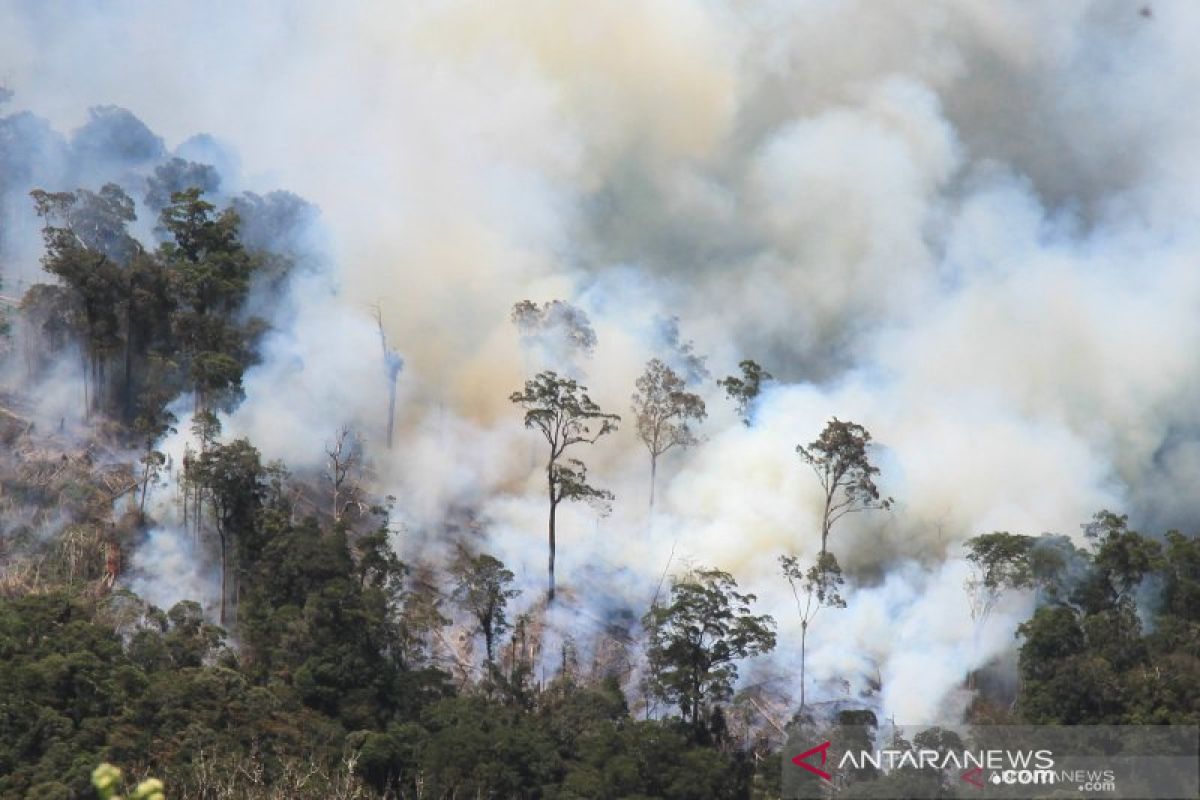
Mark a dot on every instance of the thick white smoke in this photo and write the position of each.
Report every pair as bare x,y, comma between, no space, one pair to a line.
968,226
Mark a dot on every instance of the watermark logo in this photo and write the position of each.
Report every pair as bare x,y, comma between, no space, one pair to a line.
802,760
992,761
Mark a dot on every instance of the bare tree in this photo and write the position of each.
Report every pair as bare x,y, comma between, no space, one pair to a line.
560,409
345,455
840,460
664,410
392,366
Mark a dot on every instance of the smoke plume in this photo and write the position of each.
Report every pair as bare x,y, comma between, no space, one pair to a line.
967,226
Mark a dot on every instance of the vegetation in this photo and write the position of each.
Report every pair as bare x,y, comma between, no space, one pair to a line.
560,409
664,411
814,589
744,390
839,457
327,667
696,641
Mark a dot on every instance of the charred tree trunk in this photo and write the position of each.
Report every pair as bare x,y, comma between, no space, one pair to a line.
224,565
127,389
145,484
391,426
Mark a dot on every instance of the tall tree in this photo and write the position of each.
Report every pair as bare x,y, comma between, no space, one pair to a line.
820,587
211,271
560,409
843,466
154,420
697,639
344,456
743,391
87,246
665,411
483,587
999,561
393,364
232,475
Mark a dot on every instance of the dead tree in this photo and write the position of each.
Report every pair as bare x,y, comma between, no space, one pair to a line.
392,365
344,455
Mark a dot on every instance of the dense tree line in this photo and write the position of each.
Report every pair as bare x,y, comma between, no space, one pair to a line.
148,324
330,671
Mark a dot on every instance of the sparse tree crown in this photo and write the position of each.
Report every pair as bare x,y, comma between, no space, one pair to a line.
743,391
841,461
561,410
665,412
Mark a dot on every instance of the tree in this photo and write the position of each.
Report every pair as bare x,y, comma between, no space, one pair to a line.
999,561
482,587
211,273
557,325
232,476
393,364
87,246
561,410
742,391
344,454
664,410
698,638
821,587
840,460
153,421
1121,559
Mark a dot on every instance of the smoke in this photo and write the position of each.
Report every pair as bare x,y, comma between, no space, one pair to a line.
167,568
968,226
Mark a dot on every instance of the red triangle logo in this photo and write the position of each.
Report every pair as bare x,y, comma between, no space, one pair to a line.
800,760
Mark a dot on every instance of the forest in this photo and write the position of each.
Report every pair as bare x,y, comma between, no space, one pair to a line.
318,675
550,401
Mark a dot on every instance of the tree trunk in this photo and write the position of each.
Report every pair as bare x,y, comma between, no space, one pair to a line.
653,476
127,389
825,526
222,536
391,412
803,642
553,507
87,405
145,483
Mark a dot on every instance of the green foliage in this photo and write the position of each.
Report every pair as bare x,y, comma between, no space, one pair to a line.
1090,657
483,589
665,412
565,415
697,639
150,323
744,390
842,463
820,587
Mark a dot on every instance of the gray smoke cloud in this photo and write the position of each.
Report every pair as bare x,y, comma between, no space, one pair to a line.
968,226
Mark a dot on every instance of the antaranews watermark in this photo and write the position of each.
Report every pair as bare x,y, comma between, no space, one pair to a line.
888,761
